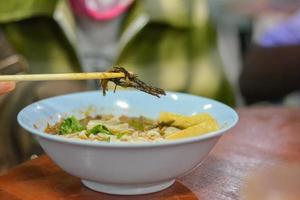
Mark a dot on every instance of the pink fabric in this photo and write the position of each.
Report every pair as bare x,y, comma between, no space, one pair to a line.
100,10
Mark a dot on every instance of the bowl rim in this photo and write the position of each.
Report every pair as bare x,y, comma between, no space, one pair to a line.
56,138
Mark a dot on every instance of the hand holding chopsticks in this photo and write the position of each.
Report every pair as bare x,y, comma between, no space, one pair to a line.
6,86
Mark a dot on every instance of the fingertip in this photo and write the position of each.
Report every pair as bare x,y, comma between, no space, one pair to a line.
7,86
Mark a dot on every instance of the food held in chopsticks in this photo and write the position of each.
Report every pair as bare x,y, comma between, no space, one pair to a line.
109,128
130,80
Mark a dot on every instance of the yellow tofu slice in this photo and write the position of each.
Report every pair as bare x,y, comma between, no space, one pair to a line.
206,126
182,121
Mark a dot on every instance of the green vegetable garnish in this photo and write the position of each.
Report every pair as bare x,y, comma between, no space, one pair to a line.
119,135
136,124
70,125
100,129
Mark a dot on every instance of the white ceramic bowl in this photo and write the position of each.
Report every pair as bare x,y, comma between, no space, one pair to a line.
125,168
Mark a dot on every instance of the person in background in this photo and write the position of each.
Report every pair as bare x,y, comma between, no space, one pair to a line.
271,70
171,45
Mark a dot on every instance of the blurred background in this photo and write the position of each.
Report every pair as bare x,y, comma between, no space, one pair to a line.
241,53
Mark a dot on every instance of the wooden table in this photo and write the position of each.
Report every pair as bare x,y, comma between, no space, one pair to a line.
263,136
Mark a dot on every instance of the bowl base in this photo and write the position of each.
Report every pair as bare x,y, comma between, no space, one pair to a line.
122,189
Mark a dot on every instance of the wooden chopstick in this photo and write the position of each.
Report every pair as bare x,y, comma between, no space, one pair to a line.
64,76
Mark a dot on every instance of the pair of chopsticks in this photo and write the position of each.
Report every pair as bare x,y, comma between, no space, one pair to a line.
63,76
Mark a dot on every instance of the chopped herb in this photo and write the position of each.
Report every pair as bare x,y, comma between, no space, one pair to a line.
107,139
70,125
136,124
139,123
119,135
100,129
